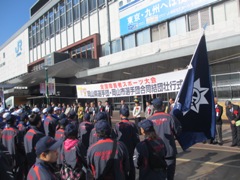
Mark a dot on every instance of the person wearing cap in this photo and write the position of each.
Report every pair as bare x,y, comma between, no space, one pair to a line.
127,132
6,161
73,153
44,114
35,110
167,127
98,155
149,109
137,112
109,112
46,151
50,123
233,115
62,123
141,153
12,140
56,112
32,137
22,125
85,129
93,135
72,117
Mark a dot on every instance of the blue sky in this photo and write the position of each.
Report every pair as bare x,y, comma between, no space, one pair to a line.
14,14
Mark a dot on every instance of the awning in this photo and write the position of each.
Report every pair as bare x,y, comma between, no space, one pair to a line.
64,69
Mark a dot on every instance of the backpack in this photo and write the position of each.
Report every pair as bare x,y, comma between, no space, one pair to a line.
156,160
68,173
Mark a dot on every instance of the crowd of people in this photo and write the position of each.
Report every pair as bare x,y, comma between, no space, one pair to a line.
76,142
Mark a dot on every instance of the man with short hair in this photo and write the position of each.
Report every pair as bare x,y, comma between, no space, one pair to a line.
170,105
123,106
167,127
99,154
232,112
46,151
219,111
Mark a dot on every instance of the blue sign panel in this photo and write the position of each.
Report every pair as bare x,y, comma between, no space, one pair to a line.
18,49
160,11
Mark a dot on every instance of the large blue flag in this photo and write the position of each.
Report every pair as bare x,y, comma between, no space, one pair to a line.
194,105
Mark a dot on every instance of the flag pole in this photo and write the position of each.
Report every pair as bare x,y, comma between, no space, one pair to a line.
189,66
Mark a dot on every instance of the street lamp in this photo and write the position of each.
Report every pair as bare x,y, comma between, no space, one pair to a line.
46,84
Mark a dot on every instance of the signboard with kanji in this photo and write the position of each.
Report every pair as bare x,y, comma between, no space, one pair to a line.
140,14
162,83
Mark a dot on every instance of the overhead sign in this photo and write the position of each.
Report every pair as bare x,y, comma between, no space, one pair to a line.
146,13
162,83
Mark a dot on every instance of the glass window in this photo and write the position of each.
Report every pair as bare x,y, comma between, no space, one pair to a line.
101,3
159,31
143,37
177,26
38,33
193,21
69,12
76,12
129,41
116,46
231,8
205,17
46,27
83,7
62,15
42,38
51,22
92,5
218,14
224,92
57,20
235,91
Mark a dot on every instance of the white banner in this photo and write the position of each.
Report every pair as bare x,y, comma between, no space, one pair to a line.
162,83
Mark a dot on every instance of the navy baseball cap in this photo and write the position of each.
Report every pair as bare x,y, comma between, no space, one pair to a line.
10,119
125,112
102,126
63,121
50,109
47,143
146,124
86,117
157,102
62,115
101,116
2,125
71,130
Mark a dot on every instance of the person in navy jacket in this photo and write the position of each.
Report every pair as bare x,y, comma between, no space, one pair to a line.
46,151
98,155
127,133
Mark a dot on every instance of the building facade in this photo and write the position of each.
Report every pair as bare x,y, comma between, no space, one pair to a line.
76,42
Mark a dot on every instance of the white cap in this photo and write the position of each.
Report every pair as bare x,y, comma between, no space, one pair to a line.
2,110
56,108
19,111
14,113
44,110
36,110
5,115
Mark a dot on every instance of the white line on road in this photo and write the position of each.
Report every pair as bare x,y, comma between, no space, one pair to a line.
207,163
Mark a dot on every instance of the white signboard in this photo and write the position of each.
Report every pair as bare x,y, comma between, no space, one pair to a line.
155,84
